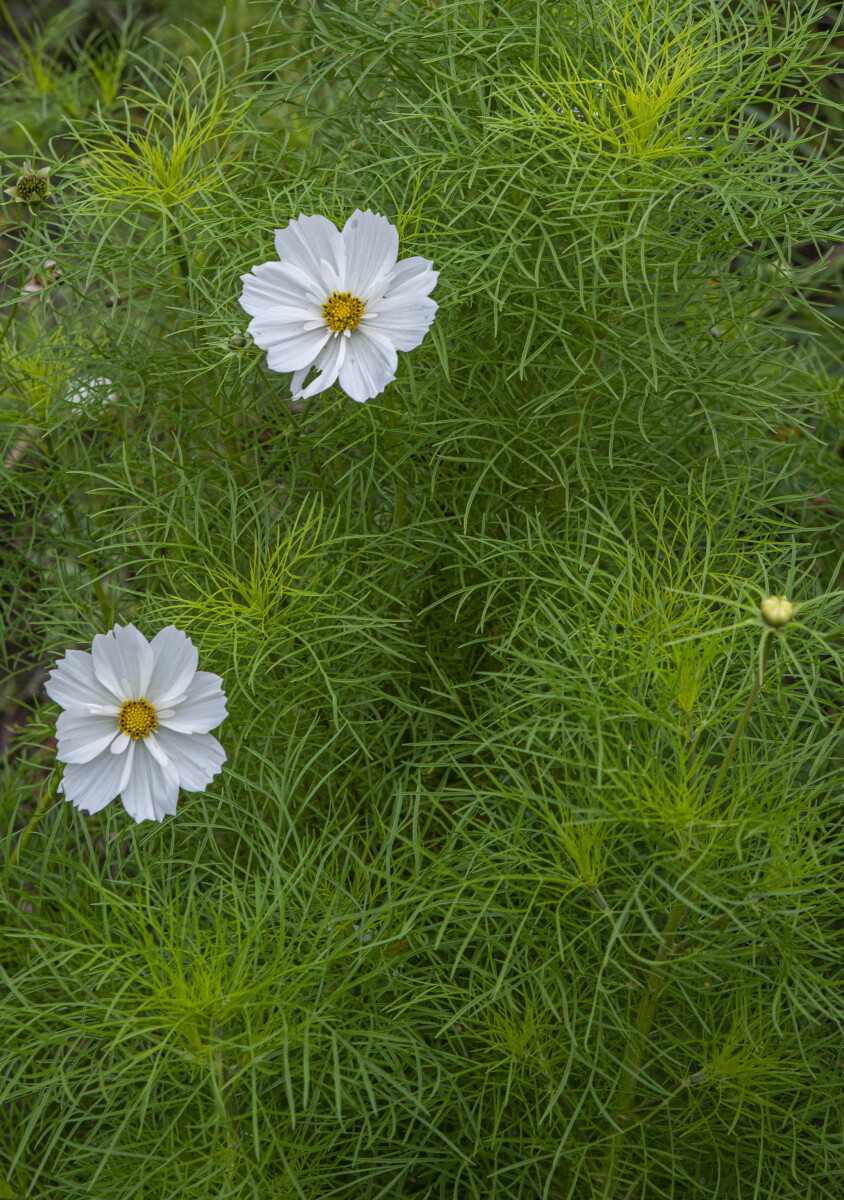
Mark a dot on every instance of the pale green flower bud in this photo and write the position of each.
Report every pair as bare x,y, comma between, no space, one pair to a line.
776,611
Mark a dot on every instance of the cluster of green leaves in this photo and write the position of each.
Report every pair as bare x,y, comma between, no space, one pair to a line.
472,911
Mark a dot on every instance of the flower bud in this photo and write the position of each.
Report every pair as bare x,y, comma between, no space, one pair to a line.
777,611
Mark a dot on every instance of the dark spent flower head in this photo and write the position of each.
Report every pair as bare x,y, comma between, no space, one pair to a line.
32,187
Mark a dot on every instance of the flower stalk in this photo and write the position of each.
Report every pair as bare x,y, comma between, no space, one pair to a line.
73,521
47,798
395,438
96,584
7,324
751,700
658,975
648,1005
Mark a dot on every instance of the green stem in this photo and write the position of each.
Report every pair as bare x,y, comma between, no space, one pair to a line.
754,692
272,392
73,521
224,1075
181,252
18,292
99,591
230,439
16,34
13,310
401,493
658,975
635,1047
597,896
43,804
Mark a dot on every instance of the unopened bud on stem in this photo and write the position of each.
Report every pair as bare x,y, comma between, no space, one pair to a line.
777,611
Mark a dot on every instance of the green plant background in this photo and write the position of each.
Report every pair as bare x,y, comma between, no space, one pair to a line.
464,916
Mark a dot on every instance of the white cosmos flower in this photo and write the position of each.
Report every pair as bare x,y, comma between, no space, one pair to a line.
137,721
339,302
90,391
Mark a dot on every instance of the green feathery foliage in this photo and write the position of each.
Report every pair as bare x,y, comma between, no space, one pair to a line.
523,877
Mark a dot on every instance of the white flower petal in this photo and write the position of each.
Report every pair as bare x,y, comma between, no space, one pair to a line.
412,275
381,343
158,753
175,659
276,283
279,355
151,790
82,736
297,381
286,300
90,390
307,241
120,743
202,709
127,762
372,247
198,757
368,368
404,319
282,319
93,784
104,762
333,281
290,346
328,362
73,682
123,661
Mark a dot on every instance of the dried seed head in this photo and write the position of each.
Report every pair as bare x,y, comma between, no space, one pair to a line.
32,187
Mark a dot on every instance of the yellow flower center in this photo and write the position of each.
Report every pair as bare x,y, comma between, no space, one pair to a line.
342,311
137,718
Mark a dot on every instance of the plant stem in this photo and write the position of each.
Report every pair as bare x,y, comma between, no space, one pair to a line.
230,1108
754,692
16,34
285,407
13,310
181,253
99,591
73,521
43,804
401,494
635,1047
658,975
600,901
18,290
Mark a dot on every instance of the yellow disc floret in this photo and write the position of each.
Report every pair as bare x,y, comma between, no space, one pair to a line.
137,718
342,311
